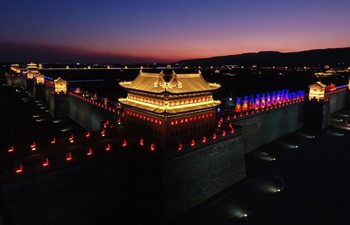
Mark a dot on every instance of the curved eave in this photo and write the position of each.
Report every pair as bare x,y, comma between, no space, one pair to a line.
169,90
169,110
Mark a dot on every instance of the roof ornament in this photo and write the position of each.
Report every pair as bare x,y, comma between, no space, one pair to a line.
160,82
174,82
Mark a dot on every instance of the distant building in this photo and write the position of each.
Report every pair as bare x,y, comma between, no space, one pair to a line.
171,106
40,79
32,70
16,68
317,91
60,86
32,66
330,72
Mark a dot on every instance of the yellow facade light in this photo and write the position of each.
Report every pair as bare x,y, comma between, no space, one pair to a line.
317,91
40,79
60,86
32,66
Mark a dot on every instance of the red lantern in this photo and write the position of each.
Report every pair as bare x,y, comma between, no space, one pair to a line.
108,147
69,156
152,147
53,141
46,162
11,149
87,135
33,146
223,133
179,148
103,132
232,130
193,143
71,138
124,143
204,139
89,152
19,169
214,136
141,142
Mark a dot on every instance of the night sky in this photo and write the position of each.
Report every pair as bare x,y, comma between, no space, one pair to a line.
160,30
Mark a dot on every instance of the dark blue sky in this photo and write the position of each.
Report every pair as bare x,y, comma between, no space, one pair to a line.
172,30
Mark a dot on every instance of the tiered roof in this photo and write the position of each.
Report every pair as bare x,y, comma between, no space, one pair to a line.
159,83
178,83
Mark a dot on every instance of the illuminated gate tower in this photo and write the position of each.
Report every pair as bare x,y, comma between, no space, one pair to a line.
173,107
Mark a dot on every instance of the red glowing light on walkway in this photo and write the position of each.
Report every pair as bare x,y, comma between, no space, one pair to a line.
19,169
214,136
180,147
103,132
71,138
46,162
204,139
232,130
124,143
193,143
108,147
53,141
33,146
152,147
69,156
11,149
141,142
89,152
223,133
87,135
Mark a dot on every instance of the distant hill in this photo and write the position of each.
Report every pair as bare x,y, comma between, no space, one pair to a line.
330,56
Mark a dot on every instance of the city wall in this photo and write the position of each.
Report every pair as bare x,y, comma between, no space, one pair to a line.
269,126
87,115
194,177
190,179
337,100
